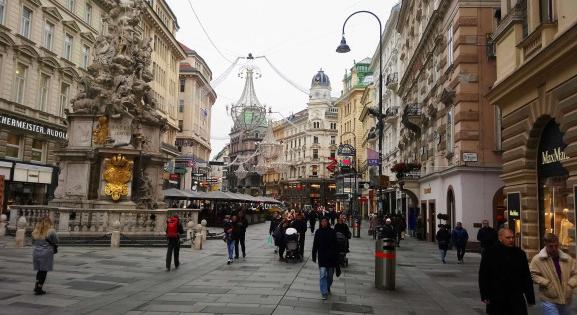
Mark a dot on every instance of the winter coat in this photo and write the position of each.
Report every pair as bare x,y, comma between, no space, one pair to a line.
228,229
343,228
43,254
545,275
300,226
504,278
443,239
312,216
487,236
274,222
460,237
388,231
278,234
325,247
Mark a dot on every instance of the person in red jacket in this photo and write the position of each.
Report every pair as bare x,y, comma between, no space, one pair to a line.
173,231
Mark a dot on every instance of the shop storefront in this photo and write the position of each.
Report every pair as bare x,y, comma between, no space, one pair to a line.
26,183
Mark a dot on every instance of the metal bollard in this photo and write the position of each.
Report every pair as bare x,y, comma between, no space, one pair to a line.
357,228
385,263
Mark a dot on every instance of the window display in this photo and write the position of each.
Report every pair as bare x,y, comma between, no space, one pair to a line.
558,218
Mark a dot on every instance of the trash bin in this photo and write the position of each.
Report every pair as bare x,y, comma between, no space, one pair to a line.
357,227
385,263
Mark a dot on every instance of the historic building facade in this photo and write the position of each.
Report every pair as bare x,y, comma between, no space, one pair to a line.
451,165
535,94
45,48
309,139
194,116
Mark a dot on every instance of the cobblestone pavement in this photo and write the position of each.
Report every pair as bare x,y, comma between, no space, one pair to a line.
134,281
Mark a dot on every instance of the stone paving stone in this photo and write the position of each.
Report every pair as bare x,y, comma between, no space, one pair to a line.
92,286
239,310
111,279
200,289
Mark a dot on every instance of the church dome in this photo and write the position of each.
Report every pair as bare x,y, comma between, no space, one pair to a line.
320,79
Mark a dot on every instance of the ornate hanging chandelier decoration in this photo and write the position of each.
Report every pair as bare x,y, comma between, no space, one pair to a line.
241,172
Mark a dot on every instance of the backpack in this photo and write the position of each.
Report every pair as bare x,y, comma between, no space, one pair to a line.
172,228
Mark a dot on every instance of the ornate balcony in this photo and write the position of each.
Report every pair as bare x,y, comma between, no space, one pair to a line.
391,114
392,81
412,117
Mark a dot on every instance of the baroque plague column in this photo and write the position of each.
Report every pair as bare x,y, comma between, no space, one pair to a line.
113,158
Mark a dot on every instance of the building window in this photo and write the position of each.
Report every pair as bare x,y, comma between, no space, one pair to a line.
315,139
546,11
181,106
2,9
14,146
450,130
450,45
21,71
48,35
334,126
38,148
43,91
180,124
71,5
316,125
182,84
26,22
315,153
333,140
85,56
498,129
68,42
314,170
333,154
64,91
88,14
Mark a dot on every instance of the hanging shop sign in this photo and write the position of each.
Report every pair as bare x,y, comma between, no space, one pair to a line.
514,205
32,127
552,156
346,150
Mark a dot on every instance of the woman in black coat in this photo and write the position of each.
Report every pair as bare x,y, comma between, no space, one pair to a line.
443,239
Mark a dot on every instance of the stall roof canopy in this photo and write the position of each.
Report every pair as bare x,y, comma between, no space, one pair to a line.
174,193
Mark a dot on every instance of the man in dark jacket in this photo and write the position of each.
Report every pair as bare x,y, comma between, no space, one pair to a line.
301,226
487,236
239,233
388,230
443,239
274,222
312,216
460,238
504,278
325,248
173,231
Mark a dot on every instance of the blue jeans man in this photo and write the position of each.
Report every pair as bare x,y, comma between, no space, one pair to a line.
550,308
326,280
230,249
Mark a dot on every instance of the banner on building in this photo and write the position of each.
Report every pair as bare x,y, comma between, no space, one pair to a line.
372,157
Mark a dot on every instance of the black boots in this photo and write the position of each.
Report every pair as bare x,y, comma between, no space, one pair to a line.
38,289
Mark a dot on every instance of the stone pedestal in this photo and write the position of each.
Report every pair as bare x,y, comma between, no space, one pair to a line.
21,232
3,225
204,229
198,241
115,237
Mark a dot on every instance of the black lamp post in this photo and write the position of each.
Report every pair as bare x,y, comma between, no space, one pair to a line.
344,48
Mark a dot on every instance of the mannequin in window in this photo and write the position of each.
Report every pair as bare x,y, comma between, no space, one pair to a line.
566,237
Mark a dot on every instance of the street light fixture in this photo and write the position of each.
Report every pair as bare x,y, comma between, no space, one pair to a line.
344,48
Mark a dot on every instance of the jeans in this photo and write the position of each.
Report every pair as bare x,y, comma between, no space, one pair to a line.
240,240
173,246
550,308
230,248
443,253
460,252
326,279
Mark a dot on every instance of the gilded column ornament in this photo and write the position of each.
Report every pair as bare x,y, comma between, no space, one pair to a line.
101,132
117,174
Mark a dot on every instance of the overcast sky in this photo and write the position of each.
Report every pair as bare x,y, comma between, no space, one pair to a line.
299,37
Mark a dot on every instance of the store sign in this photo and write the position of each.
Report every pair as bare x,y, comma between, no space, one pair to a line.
32,127
469,157
427,190
552,156
346,150
514,205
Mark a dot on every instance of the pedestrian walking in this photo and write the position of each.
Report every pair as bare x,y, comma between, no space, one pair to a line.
279,238
504,278
443,239
325,249
460,238
400,226
301,226
173,231
274,222
45,243
333,216
556,274
312,216
487,236
388,230
239,234
228,229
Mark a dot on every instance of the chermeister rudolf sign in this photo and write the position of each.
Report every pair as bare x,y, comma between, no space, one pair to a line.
555,155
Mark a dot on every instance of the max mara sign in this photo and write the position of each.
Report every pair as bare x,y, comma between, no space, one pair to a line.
552,156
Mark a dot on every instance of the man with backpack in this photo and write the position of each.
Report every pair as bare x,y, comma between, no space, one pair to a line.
173,230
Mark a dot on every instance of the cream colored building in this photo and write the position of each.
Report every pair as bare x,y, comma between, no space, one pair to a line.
45,48
194,116
535,94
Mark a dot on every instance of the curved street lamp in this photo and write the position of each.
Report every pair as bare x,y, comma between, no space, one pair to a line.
344,48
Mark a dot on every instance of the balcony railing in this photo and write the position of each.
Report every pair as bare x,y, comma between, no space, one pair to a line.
392,80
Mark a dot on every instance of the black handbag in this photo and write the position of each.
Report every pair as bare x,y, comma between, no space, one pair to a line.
54,246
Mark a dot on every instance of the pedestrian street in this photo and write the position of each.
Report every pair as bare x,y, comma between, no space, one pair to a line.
92,280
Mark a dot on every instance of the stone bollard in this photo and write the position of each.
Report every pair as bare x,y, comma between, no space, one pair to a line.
2,225
204,230
197,240
21,232
115,237
190,232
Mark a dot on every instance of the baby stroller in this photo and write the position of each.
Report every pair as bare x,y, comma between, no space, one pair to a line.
343,249
292,253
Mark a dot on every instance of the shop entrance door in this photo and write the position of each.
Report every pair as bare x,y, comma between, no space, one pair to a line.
432,221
